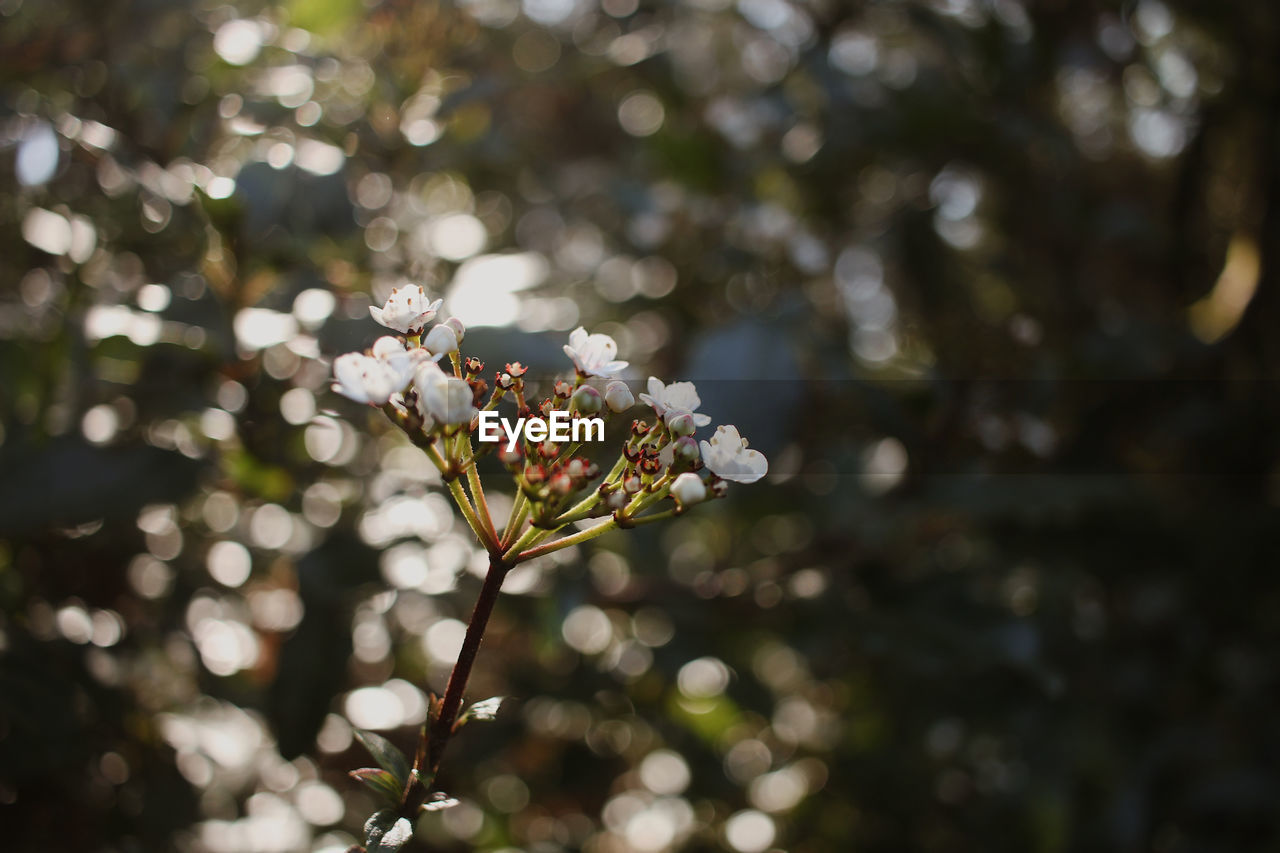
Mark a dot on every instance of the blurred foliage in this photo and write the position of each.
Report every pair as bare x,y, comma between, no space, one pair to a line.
994,283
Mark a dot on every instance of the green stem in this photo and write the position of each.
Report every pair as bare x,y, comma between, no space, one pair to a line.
594,497
574,539
657,516
519,512
531,536
477,493
460,498
435,457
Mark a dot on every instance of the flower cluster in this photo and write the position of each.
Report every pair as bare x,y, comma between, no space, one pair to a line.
557,484
449,410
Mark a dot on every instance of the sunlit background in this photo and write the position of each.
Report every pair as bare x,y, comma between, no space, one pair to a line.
992,282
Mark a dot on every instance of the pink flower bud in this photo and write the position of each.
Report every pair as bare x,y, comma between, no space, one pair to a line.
685,449
587,401
681,424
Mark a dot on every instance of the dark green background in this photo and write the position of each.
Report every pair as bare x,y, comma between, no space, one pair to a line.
1054,629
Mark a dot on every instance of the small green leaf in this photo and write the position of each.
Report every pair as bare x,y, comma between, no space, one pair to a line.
381,783
387,832
438,801
388,757
486,709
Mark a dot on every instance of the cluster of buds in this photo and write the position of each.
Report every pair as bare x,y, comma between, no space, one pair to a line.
453,415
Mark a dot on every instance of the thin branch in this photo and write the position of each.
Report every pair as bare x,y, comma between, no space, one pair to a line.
442,728
477,493
460,498
573,539
531,536
519,512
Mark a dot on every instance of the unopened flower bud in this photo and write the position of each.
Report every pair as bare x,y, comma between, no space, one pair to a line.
563,390
587,401
503,380
478,389
686,449
441,338
631,485
576,468
458,328
535,474
511,457
562,484
681,424
688,489
548,449
516,369
615,500
618,396
719,488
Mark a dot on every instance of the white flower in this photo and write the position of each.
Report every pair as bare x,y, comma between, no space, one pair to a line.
363,378
442,398
728,457
373,379
593,355
441,339
398,361
688,489
407,310
674,399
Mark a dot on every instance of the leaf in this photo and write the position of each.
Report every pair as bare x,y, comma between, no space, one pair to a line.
486,709
386,832
380,782
438,802
388,757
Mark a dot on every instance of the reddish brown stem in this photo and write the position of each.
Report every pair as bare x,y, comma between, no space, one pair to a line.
451,705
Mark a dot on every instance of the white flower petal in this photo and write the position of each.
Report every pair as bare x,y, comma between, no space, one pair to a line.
674,399
593,355
729,458
363,379
407,310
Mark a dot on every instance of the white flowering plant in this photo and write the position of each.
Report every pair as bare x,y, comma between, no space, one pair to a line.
562,496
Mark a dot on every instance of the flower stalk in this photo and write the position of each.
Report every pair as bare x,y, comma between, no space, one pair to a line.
555,485
442,728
